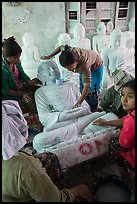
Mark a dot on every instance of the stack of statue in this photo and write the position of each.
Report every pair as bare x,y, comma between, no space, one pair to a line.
55,104
113,57
100,40
30,59
63,39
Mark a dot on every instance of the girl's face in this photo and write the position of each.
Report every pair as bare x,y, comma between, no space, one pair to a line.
14,59
72,67
128,99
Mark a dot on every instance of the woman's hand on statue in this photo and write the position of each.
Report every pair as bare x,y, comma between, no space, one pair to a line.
45,57
77,105
34,82
99,122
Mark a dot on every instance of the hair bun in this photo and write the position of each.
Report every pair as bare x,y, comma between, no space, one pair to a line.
67,47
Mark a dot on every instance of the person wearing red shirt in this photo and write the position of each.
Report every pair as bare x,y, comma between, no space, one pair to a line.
123,145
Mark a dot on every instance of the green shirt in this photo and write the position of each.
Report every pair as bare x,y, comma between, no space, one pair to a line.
24,180
112,102
8,81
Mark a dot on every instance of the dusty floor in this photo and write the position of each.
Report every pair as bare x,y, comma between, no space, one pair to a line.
88,172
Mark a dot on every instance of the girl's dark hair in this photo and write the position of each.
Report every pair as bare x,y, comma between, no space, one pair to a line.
130,84
67,56
11,47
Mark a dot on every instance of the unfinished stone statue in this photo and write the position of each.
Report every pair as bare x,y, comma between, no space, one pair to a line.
54,105
127,43
30,58
63,39
79,39
113,57
100,40
109,27
131,30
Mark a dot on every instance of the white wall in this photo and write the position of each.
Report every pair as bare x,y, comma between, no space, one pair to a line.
46,22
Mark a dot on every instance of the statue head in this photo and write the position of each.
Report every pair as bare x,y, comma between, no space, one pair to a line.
48,72
27,39
115,38
110,26
64,39
132,25
101,29
79,31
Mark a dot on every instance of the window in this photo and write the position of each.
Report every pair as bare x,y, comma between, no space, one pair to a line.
72,15
94,12
89,6
123,8
122,14
123,4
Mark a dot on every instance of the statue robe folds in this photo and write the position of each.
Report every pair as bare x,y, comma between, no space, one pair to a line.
68,131
65,129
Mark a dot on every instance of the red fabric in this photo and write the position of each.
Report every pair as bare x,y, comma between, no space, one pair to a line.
127,138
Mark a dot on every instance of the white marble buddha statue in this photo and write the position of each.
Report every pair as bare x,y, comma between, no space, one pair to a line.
100,40
54,105
79,39
109,27
127,43
113,57
63,39
131,30
30,58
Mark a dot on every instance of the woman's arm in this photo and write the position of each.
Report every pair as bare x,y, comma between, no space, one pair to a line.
102,122
12,92
85,92
56,51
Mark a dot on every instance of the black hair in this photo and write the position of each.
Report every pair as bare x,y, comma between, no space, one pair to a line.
67,56
11,47
130,84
